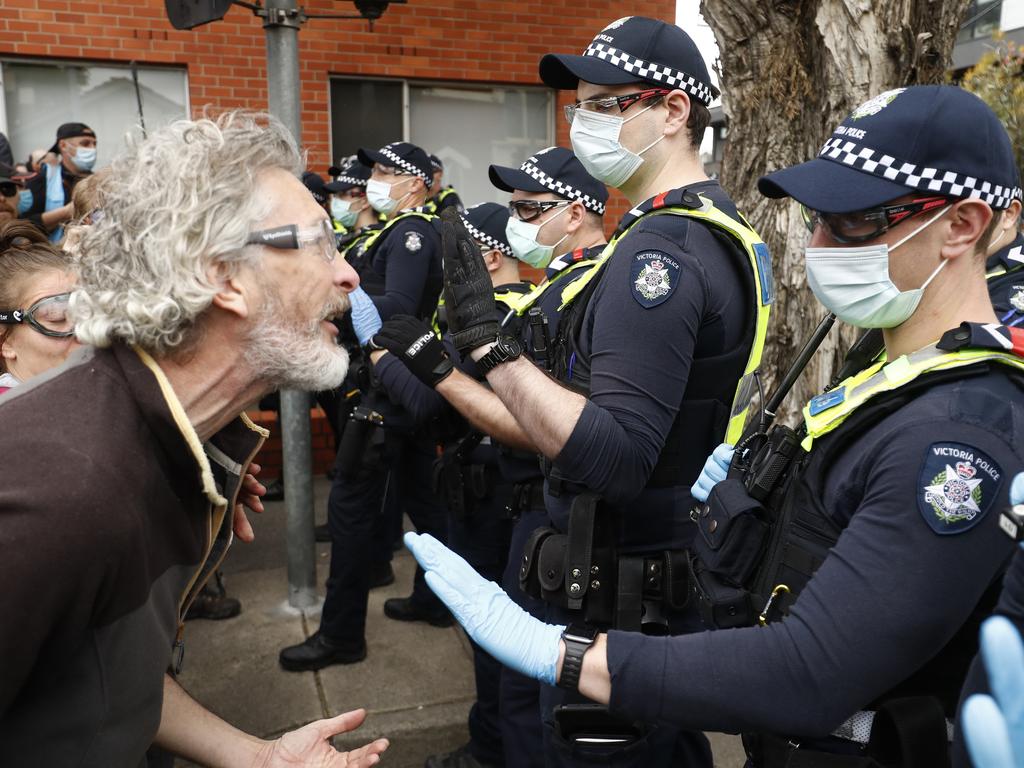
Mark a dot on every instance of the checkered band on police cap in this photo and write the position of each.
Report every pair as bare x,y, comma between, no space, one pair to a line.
648,70
405,165
925,179
355,182
482,237
561,188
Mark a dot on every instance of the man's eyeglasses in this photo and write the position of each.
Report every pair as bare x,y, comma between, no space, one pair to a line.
528,210
861,226
607,103
290,237
49,316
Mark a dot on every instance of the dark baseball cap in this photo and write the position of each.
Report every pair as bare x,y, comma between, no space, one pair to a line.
936,139
630,50
554,169
486,224
354,175
407,157
71,131
315,184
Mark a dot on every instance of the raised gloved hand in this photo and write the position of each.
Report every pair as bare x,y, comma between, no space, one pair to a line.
365,317
468,292
994,725
489,616
414,342
715,470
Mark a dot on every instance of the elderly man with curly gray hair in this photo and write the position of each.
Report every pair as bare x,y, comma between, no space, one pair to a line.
209,280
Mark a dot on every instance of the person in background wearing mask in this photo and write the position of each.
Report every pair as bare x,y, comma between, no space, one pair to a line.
650,349
35,282
385,455
891,550
443,197
75,153
13,194
354,217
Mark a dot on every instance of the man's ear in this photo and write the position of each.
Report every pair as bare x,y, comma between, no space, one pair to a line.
678,105
968,220
492,260
234,292
577,215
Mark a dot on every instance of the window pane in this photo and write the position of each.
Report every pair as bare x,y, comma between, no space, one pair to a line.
364,113
39,97
471,128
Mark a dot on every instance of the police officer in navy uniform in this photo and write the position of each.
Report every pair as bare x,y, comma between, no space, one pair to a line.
1005,267
443,197
890,551
400,274
351,213
556,208
649,354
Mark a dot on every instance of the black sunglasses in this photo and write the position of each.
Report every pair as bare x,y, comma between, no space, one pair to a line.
528,210
861,226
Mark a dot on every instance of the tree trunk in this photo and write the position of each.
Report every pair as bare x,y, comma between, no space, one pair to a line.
791,70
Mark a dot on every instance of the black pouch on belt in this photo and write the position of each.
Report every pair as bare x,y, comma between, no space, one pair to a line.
732,532
363,423
529,577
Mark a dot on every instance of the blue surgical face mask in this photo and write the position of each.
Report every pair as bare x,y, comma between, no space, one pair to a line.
85,158
25,201
522,237
341,212
854,284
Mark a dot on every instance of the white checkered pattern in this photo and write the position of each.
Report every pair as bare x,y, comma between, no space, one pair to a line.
647,70
351,180
562,189
909,175
405,165
482,237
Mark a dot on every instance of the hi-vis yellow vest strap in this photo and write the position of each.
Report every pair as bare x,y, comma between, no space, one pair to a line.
826,412
523,304
760,263
509,297
375,236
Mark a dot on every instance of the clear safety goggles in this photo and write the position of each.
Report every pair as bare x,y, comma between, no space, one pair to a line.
48,316
290,237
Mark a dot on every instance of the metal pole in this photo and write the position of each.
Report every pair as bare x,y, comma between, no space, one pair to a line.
282,22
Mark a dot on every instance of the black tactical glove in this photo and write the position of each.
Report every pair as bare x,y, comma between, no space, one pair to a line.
468,292
414,342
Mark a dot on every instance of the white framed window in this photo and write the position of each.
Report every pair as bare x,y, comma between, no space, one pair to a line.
468,126
39,95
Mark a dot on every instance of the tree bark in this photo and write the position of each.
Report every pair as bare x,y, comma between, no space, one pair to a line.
790,71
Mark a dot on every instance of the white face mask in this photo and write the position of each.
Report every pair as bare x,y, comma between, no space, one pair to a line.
854,283
379,195
595,141
341,212
522,237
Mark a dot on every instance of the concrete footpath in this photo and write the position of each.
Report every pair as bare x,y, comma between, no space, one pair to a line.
416,682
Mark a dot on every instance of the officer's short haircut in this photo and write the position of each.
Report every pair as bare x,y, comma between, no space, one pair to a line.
697,123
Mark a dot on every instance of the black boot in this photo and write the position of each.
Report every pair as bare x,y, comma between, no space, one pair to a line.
317,653
406,609
213,603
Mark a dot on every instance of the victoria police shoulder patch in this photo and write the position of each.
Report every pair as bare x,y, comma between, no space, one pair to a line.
654,276
958,486
413,241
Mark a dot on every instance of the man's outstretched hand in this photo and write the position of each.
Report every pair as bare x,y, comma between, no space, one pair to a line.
468,291
310,746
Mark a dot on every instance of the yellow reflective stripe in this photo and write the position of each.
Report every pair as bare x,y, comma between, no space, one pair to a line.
391,222
523,304
888,377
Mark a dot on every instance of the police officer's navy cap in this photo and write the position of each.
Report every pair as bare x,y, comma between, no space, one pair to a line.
315,184
486,224
406,157
557,170
435,163
354,175
634,49
935,139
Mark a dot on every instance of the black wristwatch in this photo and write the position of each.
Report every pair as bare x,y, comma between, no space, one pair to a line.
577,638
507,348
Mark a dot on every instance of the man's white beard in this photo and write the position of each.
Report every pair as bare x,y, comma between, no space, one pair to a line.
292,356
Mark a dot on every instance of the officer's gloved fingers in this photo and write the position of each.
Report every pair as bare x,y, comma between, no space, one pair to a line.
432,555
1003,652
988,740
454,598
1017,490
701,489
359,298
723,457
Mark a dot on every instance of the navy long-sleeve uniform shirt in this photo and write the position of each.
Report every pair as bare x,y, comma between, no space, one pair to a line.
403,275
1007,290
894,590
641,352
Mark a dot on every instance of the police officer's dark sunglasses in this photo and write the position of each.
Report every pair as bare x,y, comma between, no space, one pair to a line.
528,210
861,226
606,103
49,316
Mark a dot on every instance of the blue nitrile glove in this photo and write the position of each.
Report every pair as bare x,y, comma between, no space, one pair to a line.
489,616
994,725
715,470
365,317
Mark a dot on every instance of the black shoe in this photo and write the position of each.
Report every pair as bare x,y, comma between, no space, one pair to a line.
322,533
460,758
213,603
382,577
316,653
404,609
275,490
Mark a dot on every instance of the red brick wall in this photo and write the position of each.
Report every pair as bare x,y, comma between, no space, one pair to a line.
269,458
493,41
